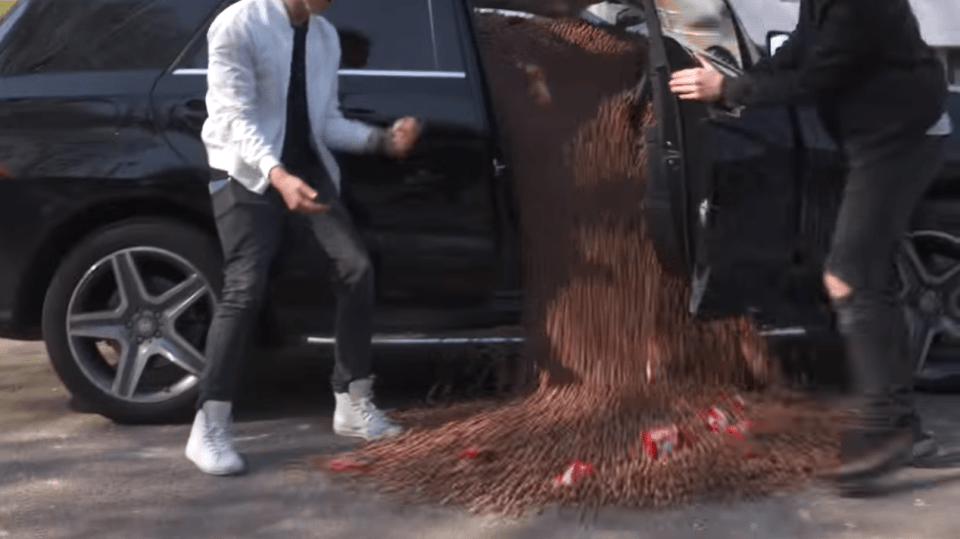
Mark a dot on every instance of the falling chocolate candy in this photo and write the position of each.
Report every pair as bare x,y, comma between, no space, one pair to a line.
595,298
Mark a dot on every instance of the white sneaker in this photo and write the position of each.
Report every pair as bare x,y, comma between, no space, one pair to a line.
357,416
210,446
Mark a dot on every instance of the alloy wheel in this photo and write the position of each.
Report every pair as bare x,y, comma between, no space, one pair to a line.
928,267
151,308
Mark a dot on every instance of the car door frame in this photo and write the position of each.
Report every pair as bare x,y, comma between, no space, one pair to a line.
685,147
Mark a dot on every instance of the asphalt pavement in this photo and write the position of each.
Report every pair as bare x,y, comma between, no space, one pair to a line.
68,474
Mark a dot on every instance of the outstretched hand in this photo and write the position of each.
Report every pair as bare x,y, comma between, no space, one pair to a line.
703,83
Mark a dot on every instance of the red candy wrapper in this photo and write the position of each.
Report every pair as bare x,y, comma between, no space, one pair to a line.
717,419
575,471
661,442
740,429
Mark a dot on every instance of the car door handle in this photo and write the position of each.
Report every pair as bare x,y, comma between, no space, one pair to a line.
193,112
195,108
366,115
359,113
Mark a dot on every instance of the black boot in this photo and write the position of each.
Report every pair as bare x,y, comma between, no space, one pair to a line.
870,457
869,453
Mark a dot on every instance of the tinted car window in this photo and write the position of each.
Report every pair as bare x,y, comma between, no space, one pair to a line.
196,57
374,34
97,35
400,33
448,37
705,25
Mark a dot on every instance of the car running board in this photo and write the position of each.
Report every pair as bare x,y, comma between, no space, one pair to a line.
796,331
489,337
495,337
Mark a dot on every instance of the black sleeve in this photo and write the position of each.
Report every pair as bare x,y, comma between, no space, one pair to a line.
786,57
843,46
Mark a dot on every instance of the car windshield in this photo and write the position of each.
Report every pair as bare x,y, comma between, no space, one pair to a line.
705,26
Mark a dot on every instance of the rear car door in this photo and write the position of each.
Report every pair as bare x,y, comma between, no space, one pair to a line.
722,203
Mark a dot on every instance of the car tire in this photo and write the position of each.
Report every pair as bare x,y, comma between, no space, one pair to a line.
928,270
133,352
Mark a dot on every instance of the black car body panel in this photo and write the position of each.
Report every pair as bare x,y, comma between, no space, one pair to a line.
78,147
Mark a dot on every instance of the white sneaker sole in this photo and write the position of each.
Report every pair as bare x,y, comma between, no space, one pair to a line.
220,472
354,432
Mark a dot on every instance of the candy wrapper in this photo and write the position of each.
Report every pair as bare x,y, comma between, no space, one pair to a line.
716,418
661,442
575,471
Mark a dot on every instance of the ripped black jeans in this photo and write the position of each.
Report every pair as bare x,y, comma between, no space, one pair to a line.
885,183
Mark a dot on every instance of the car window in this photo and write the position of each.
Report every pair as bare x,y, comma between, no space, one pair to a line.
704,25
386,35
197,56
400,33
449,40
56,36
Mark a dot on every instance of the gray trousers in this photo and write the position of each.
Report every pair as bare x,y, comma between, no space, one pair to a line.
254,230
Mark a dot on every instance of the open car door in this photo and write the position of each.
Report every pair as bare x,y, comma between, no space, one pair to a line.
722,205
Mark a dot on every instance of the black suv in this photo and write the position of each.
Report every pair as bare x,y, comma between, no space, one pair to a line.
109,254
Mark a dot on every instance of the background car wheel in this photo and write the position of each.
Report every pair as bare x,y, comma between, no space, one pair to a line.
928,267
126,316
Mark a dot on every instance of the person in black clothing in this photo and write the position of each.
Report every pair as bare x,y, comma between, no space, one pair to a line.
881,92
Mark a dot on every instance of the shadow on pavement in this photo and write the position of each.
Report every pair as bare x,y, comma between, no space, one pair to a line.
297,384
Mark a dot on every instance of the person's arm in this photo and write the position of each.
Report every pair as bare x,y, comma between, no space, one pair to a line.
232,93
786,57
351,136
341,134
845,44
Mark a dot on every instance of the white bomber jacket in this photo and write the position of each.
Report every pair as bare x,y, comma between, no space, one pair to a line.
250,48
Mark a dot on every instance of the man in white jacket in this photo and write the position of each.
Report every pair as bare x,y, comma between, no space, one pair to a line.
274,115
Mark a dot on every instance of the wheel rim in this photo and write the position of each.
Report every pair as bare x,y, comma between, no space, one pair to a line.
152,308
928,267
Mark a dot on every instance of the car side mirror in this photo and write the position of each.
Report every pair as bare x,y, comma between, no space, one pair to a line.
775,40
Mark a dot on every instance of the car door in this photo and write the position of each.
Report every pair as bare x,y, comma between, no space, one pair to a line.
429,220
433,213
723,201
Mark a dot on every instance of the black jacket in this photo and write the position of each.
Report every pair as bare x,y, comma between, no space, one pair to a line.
863,63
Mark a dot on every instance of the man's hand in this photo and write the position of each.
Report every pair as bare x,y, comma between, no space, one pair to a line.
297,195
698,84
403,136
